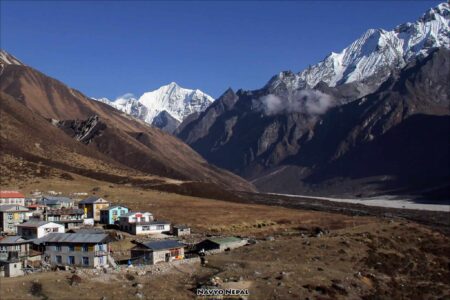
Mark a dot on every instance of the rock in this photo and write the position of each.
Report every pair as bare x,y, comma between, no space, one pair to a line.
138,285
257,273
319,269
270,238
103,298
139,295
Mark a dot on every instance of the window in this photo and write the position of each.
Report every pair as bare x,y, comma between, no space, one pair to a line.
145,228
85,261
58,259
101,247
101,260
159,227
85,248
10,216
71,260
58,248
71,248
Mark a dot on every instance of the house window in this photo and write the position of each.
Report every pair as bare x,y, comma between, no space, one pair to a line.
71,248
10,217
145,228
58,248
58,259
71,260
101,260
101,247
85,248
85,261
159,227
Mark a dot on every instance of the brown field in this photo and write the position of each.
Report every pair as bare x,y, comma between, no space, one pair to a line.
360,257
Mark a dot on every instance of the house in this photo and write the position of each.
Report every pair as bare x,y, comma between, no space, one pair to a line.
92,207
126,220
15,253
154,252
139,223
12,197
76,249
180,230
57,202
14,247
154,227
112,214
219,244
37,229
69,217
11,269
10,216
135,216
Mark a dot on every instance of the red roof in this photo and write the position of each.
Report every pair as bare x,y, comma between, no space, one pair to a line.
11,194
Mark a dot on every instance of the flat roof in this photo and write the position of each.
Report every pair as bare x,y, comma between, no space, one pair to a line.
162,245
73,238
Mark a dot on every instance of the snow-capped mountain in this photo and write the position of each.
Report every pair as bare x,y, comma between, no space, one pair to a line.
8,59
171,99
376,53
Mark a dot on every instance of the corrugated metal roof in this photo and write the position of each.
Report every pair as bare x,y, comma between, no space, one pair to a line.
225,240
16,239
55,200
91,200
73,238
13,207
162,245
11,194
34,223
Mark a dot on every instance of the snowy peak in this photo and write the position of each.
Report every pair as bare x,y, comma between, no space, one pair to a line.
8,59
167,106
177,101
376,52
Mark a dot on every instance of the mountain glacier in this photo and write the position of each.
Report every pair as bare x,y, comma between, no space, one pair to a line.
165,107
376,53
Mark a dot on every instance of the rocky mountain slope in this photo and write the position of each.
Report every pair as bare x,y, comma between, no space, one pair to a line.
56,126
165,107
312,132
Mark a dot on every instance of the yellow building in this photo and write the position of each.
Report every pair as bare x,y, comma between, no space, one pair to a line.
92,207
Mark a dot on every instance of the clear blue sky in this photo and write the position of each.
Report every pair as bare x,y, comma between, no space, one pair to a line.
111,48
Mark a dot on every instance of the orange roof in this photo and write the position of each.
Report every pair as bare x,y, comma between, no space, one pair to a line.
11,194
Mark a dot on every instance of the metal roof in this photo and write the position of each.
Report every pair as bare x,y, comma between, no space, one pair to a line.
73,238
13,207
91,200
55,200
162,245
35,223
11,194
224,240
70,211
16,239
181,226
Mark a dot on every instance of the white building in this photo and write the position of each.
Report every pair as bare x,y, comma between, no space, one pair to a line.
139,223
38,229
12,197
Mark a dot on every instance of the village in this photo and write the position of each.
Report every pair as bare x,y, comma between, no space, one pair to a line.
49,232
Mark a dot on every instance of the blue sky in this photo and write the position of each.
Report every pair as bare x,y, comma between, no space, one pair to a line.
111,48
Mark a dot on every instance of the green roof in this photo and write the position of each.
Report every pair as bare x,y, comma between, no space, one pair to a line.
225,240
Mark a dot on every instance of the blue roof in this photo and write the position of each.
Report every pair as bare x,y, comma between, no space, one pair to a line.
162,245
55,200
